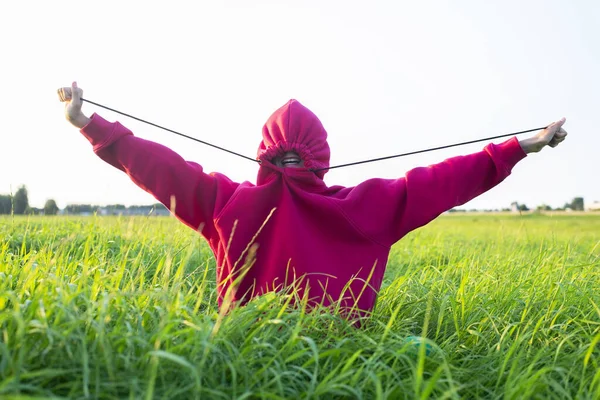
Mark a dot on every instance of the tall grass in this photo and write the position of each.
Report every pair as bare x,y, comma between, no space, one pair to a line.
509,307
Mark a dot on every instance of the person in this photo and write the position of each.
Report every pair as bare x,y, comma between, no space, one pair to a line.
329,243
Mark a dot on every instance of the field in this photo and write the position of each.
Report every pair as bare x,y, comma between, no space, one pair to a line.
109,308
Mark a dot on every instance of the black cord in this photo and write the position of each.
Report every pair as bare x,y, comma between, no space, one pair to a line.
425,150
319,169
172,131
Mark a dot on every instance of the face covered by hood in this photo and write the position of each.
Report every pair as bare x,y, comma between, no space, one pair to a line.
294,127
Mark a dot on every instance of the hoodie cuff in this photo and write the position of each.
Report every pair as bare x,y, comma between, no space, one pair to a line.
101,133
510,153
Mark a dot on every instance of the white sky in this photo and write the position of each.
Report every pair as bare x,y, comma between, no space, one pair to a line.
385,77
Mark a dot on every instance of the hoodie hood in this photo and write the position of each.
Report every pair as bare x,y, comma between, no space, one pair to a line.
294,127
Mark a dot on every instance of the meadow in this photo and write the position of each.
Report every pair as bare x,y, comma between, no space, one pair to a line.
508,307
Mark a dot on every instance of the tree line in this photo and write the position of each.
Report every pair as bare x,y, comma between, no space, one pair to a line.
18,204
577,204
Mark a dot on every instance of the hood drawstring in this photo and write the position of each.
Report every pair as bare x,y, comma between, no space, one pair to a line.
321,169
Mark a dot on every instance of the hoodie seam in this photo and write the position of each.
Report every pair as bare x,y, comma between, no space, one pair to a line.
355,226
227,205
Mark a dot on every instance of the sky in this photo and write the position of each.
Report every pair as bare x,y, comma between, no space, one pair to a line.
384,77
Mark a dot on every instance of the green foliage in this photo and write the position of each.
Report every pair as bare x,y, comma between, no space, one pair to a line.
5,204
50,208
81,209
577,204
20,201
105,307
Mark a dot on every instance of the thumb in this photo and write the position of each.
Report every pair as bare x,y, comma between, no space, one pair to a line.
558,124
554,127
75,93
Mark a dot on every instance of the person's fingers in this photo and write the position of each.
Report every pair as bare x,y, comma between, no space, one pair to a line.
558,136
554,134
547,134
556,141
561,133
64,94
553,130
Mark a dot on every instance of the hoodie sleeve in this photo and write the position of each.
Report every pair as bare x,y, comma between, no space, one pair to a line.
183,187
387,209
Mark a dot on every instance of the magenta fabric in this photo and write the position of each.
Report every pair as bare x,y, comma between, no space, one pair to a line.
290,226
294,127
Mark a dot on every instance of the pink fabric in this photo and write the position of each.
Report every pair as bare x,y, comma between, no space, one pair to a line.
294,127
290,224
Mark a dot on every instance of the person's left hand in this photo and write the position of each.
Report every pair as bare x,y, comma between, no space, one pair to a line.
552,136
72,97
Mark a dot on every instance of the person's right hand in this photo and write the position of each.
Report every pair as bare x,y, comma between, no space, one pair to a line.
552,136
72,96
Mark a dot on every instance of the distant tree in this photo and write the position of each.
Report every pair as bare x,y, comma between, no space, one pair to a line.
523,207
5,204
80,209
50,208
543,207
160,209
20,201
577,204
116,207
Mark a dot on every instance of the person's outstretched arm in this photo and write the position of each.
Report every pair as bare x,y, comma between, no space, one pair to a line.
393,207
181,186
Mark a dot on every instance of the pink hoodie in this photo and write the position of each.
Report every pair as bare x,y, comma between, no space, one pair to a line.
290,225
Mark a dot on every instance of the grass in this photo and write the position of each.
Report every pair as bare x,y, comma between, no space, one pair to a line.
509,307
